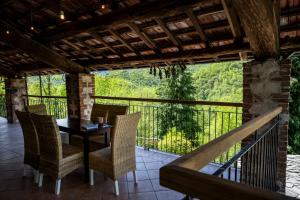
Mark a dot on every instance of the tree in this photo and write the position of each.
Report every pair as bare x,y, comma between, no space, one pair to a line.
177,87
294,108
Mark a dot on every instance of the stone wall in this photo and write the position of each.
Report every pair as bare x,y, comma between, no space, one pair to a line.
80,88
266,85
15,89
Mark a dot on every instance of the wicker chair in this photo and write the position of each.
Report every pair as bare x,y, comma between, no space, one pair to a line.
99,110
56,159
31,142
114,110
117,160
108,111
39,109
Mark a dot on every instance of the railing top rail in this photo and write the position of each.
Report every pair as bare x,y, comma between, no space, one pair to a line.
208,152
38,96
188,102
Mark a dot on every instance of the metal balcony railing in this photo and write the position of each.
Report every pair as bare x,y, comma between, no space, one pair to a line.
171,126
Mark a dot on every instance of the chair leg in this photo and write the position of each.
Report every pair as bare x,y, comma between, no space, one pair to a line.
134,177
117,188
41,176
36,176
91,177
57,186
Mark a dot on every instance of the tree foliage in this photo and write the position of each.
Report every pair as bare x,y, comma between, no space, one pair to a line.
177,87
294,108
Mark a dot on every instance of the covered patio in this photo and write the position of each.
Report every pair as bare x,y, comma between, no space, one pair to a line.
245,154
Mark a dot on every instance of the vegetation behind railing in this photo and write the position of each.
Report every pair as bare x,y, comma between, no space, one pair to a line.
56,105
179,127
3,106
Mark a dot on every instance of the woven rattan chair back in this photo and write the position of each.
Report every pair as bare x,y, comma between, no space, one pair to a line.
49,137
114,111
124,136
39,109
31,141
99,110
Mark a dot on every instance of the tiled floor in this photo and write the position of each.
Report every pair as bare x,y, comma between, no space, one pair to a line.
14,186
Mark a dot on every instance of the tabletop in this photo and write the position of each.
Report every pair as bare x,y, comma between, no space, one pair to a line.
81,126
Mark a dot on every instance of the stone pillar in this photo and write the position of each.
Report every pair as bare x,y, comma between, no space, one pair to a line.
266,85
80,88
15,89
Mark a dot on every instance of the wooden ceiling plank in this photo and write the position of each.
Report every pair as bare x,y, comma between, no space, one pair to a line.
36,50
169,34
260,22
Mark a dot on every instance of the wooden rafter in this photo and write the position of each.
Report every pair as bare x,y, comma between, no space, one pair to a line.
119,37
261,25
37,50
141,11
234,24
194,20
232,18
169,34
99,38
147,40
173,56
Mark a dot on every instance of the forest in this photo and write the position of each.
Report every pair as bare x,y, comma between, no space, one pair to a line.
177,128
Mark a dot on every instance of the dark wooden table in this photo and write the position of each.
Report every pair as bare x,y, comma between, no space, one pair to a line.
75,126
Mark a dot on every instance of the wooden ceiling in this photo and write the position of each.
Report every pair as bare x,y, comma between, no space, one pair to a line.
136,33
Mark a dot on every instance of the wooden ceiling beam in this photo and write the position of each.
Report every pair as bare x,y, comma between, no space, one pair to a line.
144,37
190,13
7,70
143,10
234,24
99,38
172,56
232,18
19,41
169,34
260,21
5,3
118,36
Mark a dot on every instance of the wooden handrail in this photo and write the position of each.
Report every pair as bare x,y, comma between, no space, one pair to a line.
208,187
208,152
54,97
188,102
182,174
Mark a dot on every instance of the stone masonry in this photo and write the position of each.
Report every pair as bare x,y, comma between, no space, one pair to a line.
80,88
15,89
266,85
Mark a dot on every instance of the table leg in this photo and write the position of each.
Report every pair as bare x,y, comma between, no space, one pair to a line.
105,138
86,145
